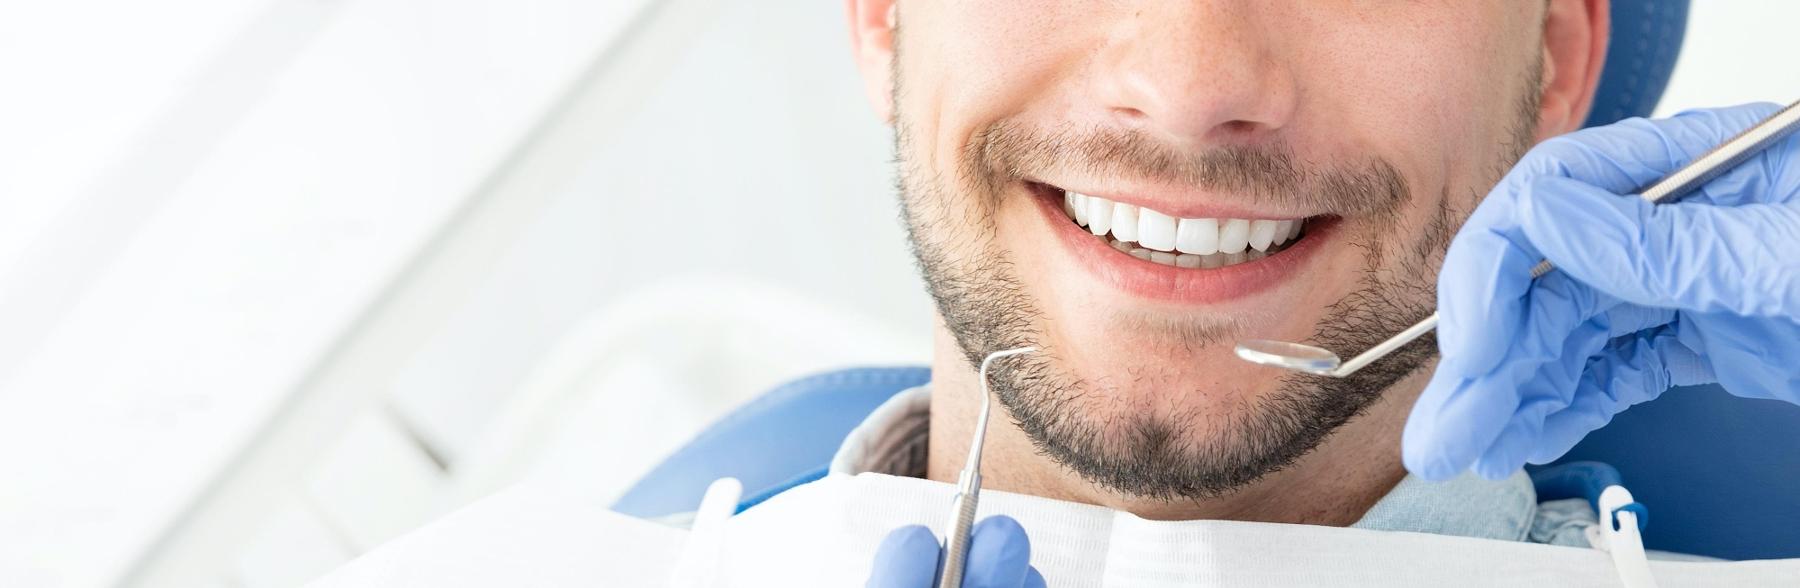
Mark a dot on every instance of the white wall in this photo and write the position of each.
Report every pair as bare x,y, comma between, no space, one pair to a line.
754,155
1735,52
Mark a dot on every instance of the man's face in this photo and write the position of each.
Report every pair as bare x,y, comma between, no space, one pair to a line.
1273,170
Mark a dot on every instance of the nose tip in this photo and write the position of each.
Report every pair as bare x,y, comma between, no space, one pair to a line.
1207,110
1195,75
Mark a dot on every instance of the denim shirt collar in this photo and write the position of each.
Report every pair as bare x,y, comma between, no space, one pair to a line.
892,440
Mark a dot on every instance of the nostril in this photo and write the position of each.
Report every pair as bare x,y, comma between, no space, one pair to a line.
1129,113
1238,128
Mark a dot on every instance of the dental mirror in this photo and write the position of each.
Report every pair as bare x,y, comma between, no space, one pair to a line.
1319,361
1285,355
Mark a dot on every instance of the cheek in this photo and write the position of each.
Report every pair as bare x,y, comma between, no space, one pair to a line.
1435,91
970,63
1418,69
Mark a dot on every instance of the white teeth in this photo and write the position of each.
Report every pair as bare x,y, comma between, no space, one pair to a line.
1125,222
1181,242
1156,230
1234,235
1100,212
1262,233
1282,228
1199,236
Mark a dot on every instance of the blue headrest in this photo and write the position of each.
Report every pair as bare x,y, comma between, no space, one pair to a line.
1646,38
783,437
1719,473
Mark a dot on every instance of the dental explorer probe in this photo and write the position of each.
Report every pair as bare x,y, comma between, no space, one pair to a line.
968,486
1322,362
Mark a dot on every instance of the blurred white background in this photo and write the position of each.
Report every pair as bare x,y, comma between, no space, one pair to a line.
282,279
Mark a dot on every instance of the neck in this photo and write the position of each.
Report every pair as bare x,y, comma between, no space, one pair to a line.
1333,485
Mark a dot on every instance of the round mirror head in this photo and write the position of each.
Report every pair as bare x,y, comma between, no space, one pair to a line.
1285,355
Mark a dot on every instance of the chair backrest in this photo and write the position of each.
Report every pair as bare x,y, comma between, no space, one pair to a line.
1645,38
1720,474
790,432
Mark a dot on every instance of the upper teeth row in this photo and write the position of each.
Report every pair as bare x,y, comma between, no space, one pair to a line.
1154,230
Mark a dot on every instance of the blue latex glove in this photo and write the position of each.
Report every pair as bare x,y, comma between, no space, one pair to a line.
999,557
1644,297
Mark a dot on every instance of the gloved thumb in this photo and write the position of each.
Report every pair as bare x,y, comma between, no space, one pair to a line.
907,558
999,554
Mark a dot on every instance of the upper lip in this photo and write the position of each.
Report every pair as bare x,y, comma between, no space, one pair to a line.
1180,202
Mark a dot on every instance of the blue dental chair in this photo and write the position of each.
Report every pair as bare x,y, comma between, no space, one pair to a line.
1720,474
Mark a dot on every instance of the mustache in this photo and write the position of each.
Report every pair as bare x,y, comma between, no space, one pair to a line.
1007,151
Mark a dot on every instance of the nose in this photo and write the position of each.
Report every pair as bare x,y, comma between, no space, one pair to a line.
1199,72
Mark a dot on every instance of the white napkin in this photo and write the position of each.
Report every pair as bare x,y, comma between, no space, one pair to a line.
825,534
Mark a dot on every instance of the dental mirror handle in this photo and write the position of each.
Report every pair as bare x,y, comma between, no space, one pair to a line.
1383,348
1675,185
1422,327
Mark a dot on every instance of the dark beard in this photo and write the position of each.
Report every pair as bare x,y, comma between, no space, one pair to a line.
986,307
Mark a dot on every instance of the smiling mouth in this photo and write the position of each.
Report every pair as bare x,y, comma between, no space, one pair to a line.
1188,243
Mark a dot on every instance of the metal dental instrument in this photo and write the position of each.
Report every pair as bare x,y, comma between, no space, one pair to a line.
1322,362
968,486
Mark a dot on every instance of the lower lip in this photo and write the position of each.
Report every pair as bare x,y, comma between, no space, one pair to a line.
1156,281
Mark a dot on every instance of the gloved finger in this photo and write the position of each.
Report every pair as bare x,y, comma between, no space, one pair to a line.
1506,455
1631,370
1463,417
1490,309
1551,389
907,558
1749,357
1690,256
999,554
1627,156
1482,288
1033,579
1452,423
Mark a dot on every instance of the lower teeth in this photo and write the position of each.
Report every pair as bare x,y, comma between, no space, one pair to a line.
1191,261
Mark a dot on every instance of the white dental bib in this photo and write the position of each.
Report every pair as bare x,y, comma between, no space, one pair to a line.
825,534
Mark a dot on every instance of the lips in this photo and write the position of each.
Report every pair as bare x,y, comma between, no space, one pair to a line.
1188,260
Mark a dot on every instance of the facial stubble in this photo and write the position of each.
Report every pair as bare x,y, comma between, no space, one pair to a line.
986,306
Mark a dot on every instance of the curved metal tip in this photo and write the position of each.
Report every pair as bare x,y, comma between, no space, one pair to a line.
987,406
1291,356
985,362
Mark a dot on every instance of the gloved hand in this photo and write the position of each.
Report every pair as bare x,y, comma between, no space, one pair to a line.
999,557
1644,297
